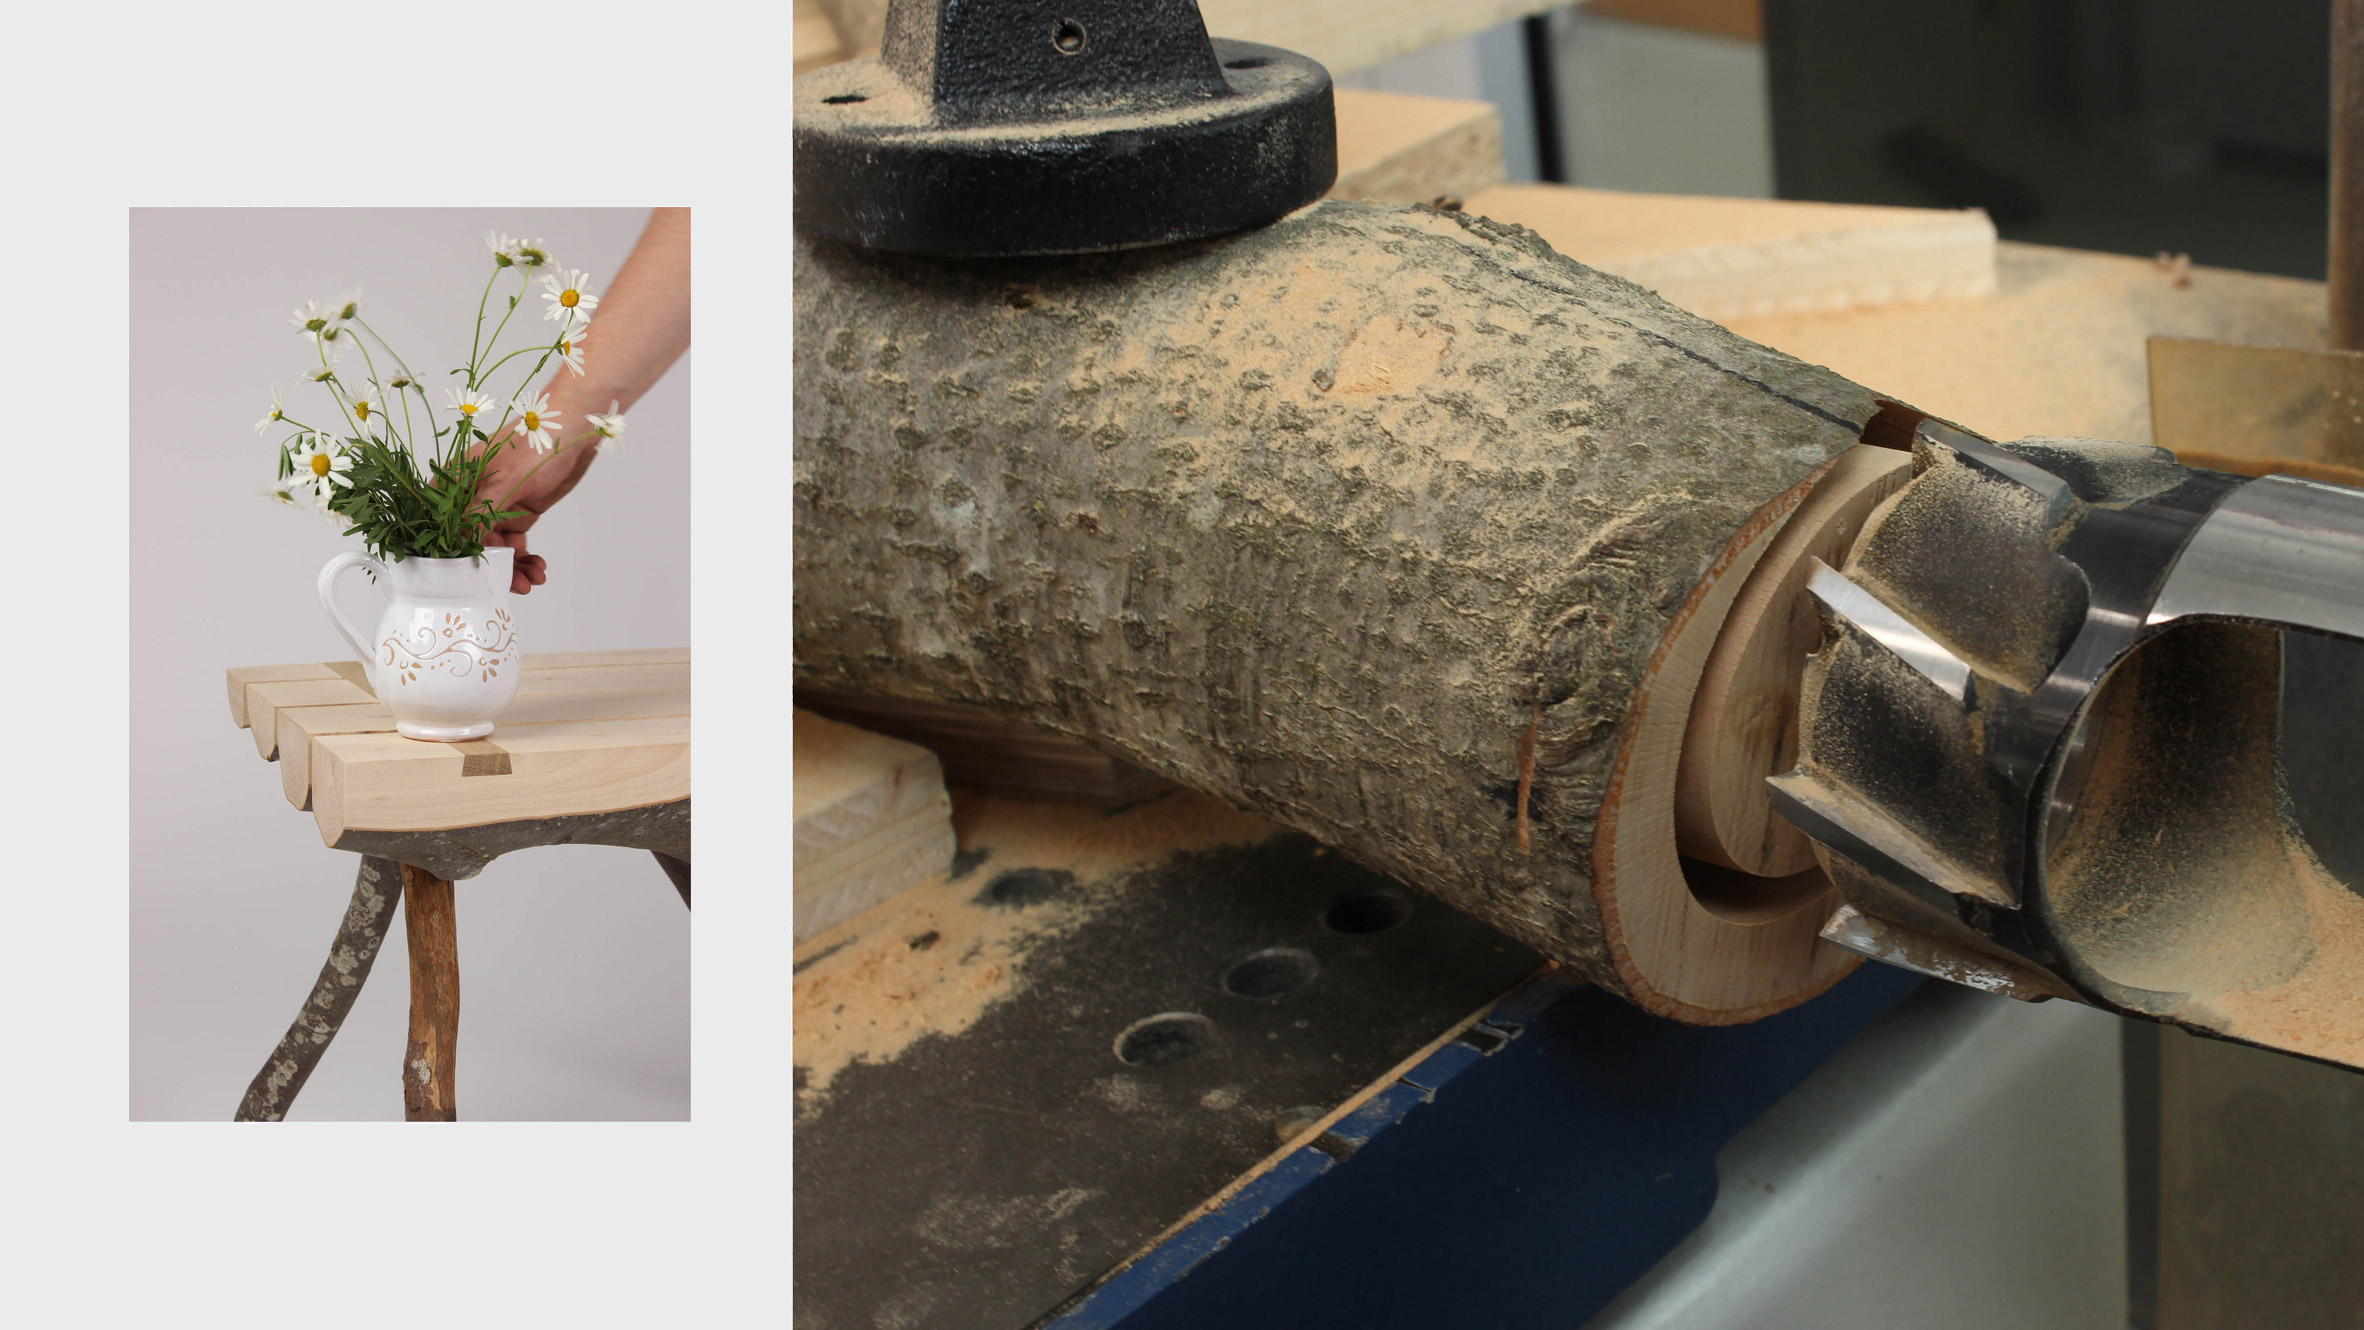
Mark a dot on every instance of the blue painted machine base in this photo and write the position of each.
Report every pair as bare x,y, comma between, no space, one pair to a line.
1523,1175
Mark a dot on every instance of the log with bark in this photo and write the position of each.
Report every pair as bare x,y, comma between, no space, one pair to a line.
1389,524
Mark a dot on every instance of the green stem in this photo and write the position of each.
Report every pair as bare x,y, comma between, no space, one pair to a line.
525,278
547,457
480,299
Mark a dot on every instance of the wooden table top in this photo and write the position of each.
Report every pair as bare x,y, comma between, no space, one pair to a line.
590,732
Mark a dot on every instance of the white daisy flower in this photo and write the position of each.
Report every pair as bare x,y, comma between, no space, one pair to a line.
326,371
291,493
347,306
312,319
513,252
368,405
610,427
570,345
404,381
468,404
322,466
537,424
278,412
567,296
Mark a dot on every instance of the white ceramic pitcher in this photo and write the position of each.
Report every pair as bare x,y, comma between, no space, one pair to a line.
444,658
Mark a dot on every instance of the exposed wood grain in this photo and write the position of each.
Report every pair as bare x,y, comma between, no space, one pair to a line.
1737,258
1743,725
385,782
992,752
299,725
266,700
241,676
432,1056
1397,148
1314,518
870,818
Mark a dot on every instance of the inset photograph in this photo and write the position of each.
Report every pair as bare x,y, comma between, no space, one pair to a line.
411,669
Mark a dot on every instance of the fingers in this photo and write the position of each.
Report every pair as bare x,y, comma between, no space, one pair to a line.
530,571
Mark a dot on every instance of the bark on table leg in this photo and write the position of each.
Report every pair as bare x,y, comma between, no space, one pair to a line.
427,1064
677,870
349,959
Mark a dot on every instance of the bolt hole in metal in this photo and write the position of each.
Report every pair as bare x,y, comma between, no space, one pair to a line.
1068,37
844,98
1272,973
1372,911
1164,1039
1250,62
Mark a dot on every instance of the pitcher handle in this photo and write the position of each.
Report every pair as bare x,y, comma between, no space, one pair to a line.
328,601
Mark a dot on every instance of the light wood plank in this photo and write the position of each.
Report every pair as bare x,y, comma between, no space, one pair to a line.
1396,148
1728,259
243,675
298,726
263,701
871,817
560,660
384,782
575,673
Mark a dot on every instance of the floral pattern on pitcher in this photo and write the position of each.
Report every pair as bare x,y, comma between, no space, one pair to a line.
461,650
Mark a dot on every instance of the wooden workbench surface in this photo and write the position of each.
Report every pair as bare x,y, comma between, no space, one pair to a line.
590,732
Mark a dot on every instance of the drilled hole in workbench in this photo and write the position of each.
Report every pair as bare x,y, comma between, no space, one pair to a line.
843,98
1373,911
1253,62
1164,1039
1274,972
1068,36
1021,887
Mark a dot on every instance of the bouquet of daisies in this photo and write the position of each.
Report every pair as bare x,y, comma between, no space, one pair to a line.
379,465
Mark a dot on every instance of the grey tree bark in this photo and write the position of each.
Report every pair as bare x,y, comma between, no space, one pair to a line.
376,888
1328,519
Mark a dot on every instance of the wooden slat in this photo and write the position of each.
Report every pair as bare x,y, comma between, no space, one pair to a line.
383,782
253,674
573,673
1398,148
299,726
263,701
561,660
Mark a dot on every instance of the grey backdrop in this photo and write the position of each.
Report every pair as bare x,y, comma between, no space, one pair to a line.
574,961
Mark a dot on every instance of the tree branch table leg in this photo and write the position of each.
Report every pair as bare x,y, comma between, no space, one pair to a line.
349,959
677,870
428,1063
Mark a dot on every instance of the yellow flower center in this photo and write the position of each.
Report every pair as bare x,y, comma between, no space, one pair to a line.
467,408
320,464
532,422
361,409
569,297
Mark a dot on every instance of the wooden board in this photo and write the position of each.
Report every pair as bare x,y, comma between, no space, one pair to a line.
384,782
992,752
1728,259
2059,348
258,692
871,818
590,732
1397,148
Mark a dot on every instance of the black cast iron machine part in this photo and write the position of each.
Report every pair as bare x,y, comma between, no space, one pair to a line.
988,128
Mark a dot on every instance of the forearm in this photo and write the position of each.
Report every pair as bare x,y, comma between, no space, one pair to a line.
642,325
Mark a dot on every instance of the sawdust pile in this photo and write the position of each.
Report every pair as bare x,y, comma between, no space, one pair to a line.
933,959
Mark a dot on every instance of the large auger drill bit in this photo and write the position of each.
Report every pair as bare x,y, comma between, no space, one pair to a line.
2039,748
